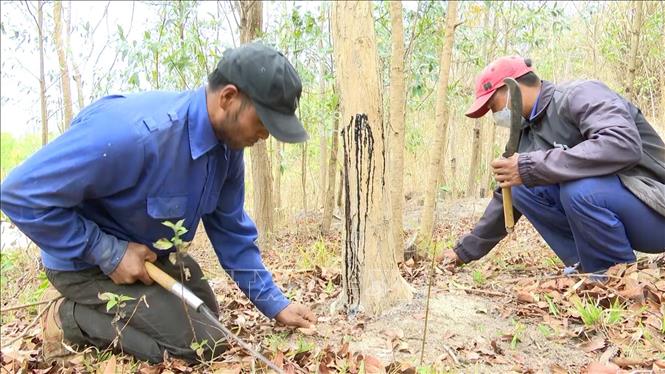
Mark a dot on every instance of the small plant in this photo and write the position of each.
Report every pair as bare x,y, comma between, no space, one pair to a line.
545,330
114,300
615,313
591,313
175,241
330,287
277,341
478,277
554,310
317,254
518,331
199,347
302,346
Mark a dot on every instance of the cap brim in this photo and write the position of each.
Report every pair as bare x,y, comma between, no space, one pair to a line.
479,106
284,127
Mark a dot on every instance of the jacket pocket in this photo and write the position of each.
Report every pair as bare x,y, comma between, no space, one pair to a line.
167,207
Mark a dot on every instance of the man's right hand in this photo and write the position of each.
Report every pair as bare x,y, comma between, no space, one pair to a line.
449,259
132,266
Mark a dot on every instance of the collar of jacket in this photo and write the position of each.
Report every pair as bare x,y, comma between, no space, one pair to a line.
546,93
201,136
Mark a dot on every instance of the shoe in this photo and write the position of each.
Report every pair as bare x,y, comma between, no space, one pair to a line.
53,347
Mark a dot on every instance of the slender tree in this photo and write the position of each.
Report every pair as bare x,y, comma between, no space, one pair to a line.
397,112
251,19
62,60
441,116
634,48
42,79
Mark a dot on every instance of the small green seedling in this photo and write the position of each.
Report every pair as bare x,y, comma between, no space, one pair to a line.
478,277
176,241
591,313
199,347
113,299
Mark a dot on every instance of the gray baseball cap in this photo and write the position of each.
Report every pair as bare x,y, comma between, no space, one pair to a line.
273,85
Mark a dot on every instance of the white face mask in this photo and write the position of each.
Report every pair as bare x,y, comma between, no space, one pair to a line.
502,117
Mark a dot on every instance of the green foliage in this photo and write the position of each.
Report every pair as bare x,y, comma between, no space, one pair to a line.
554,310
545,330
14,150
199,347
175,241
590,312
113,299
478,277
317,254
518,332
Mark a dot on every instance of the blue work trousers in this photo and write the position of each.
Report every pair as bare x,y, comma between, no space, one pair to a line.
595,222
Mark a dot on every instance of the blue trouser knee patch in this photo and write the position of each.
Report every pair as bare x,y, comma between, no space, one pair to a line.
594,221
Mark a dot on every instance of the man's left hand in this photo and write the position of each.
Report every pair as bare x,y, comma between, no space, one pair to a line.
296,315
506,172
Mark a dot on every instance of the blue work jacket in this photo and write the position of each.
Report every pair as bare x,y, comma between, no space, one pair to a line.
128,163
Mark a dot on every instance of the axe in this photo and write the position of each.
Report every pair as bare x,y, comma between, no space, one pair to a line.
511,147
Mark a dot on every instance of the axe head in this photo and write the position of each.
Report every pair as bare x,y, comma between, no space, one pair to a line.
515,116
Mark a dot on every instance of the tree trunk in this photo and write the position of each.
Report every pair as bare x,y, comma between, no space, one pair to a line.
42,79
277,191
472,183
489,131
303,175
634,48
75,69
371,280
441,116
397,109
329,204
251,18
323,138
62,60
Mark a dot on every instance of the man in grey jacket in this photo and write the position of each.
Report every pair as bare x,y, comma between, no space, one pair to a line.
589,173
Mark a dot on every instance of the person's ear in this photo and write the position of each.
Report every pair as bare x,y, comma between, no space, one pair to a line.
226,95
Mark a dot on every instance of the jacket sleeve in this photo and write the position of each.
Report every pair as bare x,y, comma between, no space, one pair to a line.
40,196
612,140
489,231
233,235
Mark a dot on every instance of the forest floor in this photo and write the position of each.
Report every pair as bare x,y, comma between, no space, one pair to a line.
512,311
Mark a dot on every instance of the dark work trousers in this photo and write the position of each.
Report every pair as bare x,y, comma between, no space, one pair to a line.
595,222
147,331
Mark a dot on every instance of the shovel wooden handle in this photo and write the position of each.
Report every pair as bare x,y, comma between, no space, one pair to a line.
159,276
507,194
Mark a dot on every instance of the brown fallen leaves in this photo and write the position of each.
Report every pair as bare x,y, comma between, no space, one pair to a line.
622,318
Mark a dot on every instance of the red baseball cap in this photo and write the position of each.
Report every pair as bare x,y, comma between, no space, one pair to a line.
491,79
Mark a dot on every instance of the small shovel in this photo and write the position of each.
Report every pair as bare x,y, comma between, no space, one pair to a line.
176,288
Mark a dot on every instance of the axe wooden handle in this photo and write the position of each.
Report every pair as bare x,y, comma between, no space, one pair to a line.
507,194
159,276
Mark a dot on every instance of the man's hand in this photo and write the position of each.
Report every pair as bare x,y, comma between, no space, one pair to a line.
449,259
506,172
132,266
296,315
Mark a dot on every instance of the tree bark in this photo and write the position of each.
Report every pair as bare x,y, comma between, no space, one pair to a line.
634,48
397,109
371,280
62,60
42,79
251,19
303,175
323,138
277,191
329,204
441,117
472,183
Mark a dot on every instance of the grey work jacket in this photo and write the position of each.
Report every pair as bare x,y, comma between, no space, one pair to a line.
581,129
